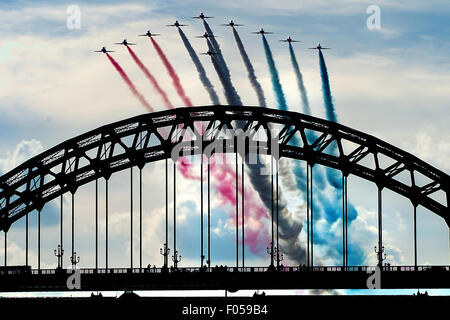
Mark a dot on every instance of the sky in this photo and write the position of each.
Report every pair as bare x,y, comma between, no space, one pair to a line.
390,82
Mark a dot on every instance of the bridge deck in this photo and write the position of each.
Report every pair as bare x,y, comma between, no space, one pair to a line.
231,279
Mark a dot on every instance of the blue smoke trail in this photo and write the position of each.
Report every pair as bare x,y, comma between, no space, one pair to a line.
230,92
276,84
301,86
250,70
323,206
311,136
327,98
201,71
299,171
330,112
331,214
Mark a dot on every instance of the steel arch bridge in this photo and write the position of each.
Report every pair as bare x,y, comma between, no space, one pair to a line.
154,136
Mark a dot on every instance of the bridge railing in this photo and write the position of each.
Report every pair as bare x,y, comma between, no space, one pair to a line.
17,270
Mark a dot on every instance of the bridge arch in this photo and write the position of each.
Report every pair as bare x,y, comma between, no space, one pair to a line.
152,137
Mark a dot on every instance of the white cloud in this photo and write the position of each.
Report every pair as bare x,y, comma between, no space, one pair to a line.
60,78
432,146
24,151
345,7
363,231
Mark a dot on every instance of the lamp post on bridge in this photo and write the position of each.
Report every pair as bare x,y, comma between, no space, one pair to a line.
381,255
165,253
59,253
176,258
280,257
75,260
275,254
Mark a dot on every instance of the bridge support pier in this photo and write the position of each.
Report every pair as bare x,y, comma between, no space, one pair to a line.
309,215
140,219
166,245
380,250
39,241
106,223
237,209
243,211
209,216
344,222
96,224
312,217
176,257
26,240
202,257
279,256
272,252
73,224
61,229
6,248
131,217
165,250
415,237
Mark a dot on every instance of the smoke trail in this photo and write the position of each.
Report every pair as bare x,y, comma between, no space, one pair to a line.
331,115
151,78
331,213
129,83
251,71
230,92
327,98
274,75
225,183
259,182
299,172
311,136
279,94
201,71
289,228
173,74
217,50
301,86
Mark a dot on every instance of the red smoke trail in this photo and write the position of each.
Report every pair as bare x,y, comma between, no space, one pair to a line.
225,183
173,74
151,78
255,213
186,170
129,83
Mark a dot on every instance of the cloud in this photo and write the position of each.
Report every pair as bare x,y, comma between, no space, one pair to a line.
345,7
52,82
432,146
364,232
25,150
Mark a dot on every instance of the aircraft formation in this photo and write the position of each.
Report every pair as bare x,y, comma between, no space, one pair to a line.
201,16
